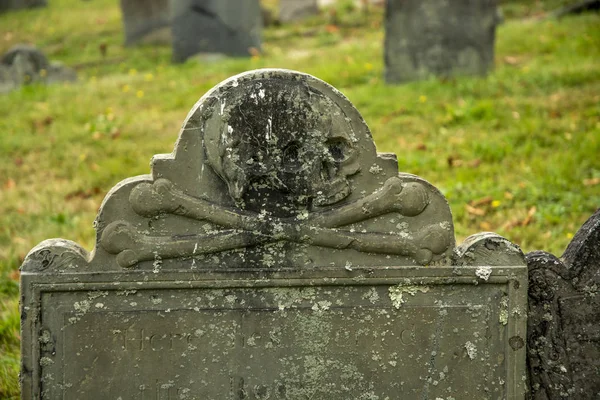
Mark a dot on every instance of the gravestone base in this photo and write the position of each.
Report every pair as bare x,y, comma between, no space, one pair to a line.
387,332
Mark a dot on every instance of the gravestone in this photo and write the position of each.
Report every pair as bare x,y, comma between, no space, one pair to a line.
274,255
230,27
564,318
23,65
427,38
294,10
7,5
146,21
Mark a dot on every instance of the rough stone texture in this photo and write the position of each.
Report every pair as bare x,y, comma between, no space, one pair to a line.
146,21
427,38
274,254
564,319
7,5
294,10
24,64
230,27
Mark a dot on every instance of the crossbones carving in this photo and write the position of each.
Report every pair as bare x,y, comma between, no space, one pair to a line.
244,228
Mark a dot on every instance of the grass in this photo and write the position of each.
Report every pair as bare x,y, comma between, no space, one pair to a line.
516,152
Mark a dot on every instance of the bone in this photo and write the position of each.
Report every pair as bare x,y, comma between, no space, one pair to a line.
131,247
408,199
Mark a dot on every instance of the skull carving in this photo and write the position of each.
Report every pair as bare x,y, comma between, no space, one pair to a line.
290,144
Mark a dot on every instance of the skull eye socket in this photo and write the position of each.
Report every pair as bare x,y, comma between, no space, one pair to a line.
338,149
291,157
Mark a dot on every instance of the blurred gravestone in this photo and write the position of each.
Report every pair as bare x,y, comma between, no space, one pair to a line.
438,38
230,27
564,319
24,64
274,255
7,5
146,21
293,10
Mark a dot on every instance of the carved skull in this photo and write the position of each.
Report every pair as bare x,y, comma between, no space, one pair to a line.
284,137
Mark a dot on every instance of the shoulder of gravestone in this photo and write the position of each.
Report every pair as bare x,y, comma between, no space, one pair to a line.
420,200
116,207
55,256
582,255
488,249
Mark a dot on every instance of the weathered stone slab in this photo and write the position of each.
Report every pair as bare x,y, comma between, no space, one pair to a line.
146,21
274,254
294,10
564,325
231,27
7,5
427,38
24,64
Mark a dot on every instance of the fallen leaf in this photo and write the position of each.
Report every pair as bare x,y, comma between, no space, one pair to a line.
591,182
529,217
332,28
18,161
454,162
508,195
475,163
10,184
510,60
15,275
475,211
485,226
481,201
421,146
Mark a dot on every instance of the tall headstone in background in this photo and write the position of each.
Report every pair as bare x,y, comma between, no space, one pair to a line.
146,21
293,10
563,330
274,255
427,38
7,5
230,27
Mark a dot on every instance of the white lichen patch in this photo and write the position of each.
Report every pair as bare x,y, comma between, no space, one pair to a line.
483,273
503,315
397,292
82,306
46,361
375,169
471,350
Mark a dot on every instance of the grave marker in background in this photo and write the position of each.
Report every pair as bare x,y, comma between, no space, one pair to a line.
7,5
274,254
146,21
230,27
427,38
293,10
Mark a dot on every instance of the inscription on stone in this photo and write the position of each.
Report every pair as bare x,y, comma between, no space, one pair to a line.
274,255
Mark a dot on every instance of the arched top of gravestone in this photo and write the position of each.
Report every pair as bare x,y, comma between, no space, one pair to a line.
272,169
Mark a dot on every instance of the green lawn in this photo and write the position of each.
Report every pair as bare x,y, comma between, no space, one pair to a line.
516,153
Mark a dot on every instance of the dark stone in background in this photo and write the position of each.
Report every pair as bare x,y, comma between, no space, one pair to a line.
146,21
7,5
230,27
427,38
564,319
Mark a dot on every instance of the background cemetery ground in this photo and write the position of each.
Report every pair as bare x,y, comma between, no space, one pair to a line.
516,153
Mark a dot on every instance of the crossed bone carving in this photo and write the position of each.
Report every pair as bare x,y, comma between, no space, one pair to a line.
244,228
